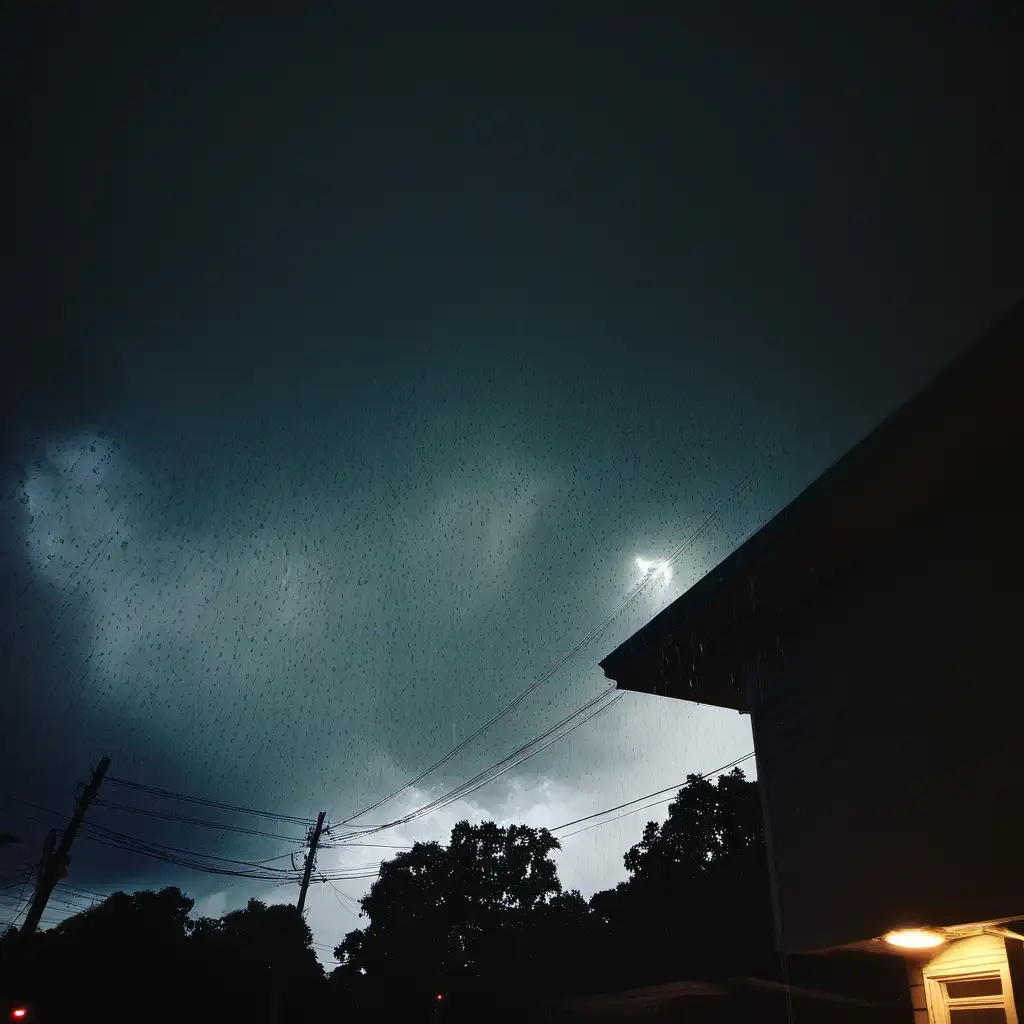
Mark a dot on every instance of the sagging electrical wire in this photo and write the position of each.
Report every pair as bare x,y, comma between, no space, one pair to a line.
673,789
344,900
171,849
25,873
334,877
21,899
482,778
204,823
673,556
170,854
78,890
508,763
205,802
634,810
582,715
184,858
35,807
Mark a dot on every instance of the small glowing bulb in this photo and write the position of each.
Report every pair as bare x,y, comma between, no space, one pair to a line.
914,938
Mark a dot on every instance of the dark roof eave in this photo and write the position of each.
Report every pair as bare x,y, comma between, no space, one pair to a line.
730,615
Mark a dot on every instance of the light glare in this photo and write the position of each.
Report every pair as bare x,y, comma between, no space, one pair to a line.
660,569
914,938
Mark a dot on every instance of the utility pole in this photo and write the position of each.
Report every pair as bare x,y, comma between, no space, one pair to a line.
51,870
49,845
310,857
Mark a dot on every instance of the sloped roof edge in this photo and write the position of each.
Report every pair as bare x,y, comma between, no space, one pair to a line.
695,647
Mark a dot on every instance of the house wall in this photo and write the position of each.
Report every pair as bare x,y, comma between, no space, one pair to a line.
1015,964
960,959
889,728
918,999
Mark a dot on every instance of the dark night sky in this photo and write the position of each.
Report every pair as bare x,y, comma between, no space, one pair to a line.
355,360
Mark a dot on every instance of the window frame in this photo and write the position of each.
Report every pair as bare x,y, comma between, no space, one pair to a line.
940,1003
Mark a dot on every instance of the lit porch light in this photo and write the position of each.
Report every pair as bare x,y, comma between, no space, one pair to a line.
915,938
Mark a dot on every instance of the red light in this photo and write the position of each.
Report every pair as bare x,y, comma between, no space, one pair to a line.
439,997
19,1014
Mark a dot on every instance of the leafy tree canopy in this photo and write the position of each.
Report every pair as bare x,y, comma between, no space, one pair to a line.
700,878
163,917
274,937
707,825
443,912
141,956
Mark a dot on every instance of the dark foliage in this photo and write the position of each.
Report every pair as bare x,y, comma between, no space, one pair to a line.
486,914
140,957
697,903
482,914
482,922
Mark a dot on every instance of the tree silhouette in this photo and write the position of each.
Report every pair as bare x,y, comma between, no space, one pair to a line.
467,916
274,938
140,956
163,917
482,921
254,963
699,877
106,963
706,825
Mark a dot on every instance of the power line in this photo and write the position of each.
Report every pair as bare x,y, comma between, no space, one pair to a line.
169,854
624,814
195,860
11,896
344,900
22,899
522,753
182,862
177,849
335,877
78,908
375,846
709,520
513,760
176,855
22,879
220,805
26,803
280,856
564,659
185,858
634,810
78,890
21,865
204,823
647,796
583,713
258,870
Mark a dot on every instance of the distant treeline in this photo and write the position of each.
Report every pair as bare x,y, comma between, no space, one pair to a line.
481,922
